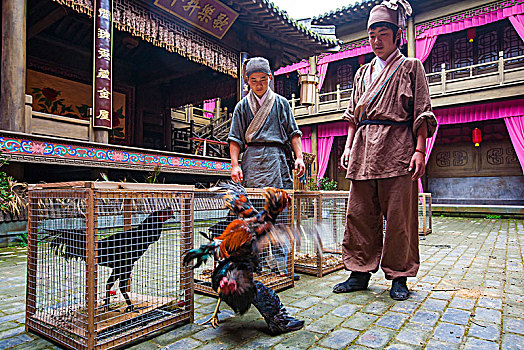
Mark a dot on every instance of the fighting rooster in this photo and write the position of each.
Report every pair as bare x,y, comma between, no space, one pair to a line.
119,251
238,247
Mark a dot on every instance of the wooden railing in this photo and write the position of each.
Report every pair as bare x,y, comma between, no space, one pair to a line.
501,72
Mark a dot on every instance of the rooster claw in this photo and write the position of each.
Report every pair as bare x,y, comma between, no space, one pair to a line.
213,321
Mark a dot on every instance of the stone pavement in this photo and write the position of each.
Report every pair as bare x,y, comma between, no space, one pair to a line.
468,295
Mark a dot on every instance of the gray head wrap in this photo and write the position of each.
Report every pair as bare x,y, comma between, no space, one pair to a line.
257,64
391,11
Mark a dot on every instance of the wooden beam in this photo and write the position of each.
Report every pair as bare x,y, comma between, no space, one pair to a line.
46,21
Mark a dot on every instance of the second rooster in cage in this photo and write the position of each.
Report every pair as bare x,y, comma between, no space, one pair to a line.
238,248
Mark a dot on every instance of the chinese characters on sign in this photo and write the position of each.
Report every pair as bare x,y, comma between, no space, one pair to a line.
102,87
211,16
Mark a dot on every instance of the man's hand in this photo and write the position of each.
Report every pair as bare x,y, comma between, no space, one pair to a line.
344,160
300,167
417,165
236,174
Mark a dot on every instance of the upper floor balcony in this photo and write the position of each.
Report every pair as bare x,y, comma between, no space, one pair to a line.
501,78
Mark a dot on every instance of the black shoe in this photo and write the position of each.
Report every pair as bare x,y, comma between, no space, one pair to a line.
283,323
356,281
296,277
399,289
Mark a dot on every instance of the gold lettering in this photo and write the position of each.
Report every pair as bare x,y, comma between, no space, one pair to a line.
103,74
104,115
104,54
105,13
206,13
191,6
104,93
221,21
103,34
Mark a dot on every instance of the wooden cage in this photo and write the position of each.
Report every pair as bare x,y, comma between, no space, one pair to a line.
87,238
425,225
321,217
302,183
211,217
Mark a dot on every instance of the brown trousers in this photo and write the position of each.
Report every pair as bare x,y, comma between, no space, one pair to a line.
364,243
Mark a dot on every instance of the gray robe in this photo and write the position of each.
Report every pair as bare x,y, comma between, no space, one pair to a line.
265,165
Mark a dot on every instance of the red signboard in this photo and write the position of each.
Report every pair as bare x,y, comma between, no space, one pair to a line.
102,87
211,16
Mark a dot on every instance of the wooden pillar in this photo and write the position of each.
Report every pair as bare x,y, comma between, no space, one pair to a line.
12,82
314,146
410,35
242,84
102,67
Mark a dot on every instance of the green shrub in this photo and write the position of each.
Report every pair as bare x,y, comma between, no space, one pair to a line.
326,184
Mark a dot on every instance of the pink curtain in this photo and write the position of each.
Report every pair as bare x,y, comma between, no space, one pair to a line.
322,70
430,142
423,47
326,135
209,105
292,68
484,111
515,127
518,23
306,139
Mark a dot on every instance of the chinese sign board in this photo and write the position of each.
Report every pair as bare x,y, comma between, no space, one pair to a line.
211,16
102,87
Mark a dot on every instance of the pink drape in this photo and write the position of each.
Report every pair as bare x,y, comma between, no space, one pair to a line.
209,105
326,135
518,23
306,139
475,21
430,142
322,70
515,127
424,46
292,68
479,112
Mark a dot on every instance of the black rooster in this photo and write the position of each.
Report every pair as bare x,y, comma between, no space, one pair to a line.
119,251
238,247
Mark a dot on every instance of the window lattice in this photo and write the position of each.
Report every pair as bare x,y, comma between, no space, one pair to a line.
512,43
463,53
345,76
488,46
440,54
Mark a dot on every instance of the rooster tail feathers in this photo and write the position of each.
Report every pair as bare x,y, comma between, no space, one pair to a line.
276,201
200,254
236,199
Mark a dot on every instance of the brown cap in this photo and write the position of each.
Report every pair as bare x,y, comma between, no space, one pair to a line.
390,11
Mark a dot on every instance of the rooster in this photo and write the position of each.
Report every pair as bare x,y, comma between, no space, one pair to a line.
119,251
238,247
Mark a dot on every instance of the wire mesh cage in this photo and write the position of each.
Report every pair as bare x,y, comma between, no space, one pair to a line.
105,261
321,217
424,214
211,218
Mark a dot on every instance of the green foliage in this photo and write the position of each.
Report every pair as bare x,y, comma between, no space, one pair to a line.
5,193
312,184
492,216
326,184
24,239
152,177
12,193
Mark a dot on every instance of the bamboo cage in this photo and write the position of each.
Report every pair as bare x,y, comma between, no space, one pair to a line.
105,262
302,183
321,217
210,217
425,225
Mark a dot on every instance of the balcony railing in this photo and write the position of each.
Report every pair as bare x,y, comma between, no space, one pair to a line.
501,72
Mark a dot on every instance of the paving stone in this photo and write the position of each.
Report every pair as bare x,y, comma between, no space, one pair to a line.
359,321
462,303
487,315
14,341
339,339
375,337
456,316
325,324
376,307
448,332
480,344
514,325
11,332
316,311
392,320
183,344
414,336
487,331
177,333
405,307
346,310
491,303
424,317
306,302
434,344
298,340
434,304
399,346
512,341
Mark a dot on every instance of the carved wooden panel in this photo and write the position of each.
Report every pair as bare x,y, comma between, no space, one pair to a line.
495,158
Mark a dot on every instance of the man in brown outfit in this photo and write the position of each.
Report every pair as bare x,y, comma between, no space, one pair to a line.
390,118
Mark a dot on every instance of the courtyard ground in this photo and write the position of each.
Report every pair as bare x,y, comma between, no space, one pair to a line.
469,294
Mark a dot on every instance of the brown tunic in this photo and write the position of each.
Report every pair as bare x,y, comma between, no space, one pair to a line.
382,151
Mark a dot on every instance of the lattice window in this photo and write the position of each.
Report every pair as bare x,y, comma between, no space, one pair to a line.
345,76
279,86
440,54
512,43
462,53
488,46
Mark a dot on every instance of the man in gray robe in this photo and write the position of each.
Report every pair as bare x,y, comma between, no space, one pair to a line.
263,138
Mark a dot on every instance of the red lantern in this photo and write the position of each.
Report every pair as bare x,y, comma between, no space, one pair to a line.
476,136
361,59
471,34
